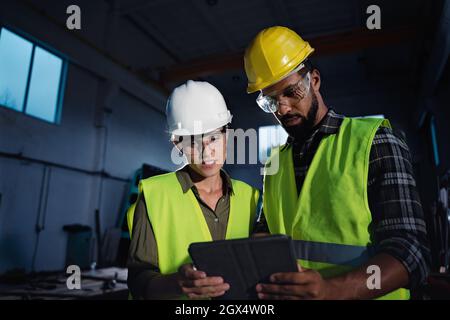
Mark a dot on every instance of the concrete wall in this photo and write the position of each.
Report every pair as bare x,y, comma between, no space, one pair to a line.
110,121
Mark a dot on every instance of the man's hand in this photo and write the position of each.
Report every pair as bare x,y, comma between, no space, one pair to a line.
196,285
305,284
309,284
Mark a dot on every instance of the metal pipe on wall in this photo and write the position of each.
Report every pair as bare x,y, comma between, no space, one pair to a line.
42,211
19,156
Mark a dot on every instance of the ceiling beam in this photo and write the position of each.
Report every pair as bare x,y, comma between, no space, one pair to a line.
203,67
154,35
345,42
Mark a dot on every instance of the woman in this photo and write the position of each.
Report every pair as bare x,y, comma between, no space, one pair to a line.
197,203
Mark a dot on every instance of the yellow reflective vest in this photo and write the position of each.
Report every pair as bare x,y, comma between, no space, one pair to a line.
177,219
330,218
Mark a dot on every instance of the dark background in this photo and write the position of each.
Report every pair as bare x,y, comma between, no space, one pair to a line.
129,55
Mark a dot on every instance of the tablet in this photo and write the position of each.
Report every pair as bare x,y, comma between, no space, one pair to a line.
243,263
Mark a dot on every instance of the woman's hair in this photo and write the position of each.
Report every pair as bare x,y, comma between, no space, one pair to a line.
310,65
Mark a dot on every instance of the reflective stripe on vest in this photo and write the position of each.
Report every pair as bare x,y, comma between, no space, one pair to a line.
331,253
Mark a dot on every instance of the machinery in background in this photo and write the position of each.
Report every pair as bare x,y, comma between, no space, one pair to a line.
434,196
81,246
442,220
83,249
101,277
144,172
101,284
438,284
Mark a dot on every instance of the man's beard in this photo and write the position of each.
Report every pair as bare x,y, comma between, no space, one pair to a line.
304,128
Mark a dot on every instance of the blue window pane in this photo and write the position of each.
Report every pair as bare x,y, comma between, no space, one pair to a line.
270,137
44,85
435,142
15,56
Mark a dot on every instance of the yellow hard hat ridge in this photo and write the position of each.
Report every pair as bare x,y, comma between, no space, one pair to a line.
272,55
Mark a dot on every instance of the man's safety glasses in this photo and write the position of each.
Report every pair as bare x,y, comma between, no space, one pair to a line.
299,90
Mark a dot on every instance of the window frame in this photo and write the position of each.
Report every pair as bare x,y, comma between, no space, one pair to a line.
62,78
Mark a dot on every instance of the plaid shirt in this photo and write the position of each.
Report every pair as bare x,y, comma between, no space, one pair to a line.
398,226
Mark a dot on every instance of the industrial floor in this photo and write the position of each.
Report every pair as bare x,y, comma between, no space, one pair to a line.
100,284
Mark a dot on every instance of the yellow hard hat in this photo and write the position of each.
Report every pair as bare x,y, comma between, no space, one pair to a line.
272,55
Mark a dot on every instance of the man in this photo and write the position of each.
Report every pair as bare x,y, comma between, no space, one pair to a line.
344,191
197,203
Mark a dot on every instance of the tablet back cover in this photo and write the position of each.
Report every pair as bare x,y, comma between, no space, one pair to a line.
243,263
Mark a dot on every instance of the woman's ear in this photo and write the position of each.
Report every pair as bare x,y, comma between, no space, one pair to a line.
315,80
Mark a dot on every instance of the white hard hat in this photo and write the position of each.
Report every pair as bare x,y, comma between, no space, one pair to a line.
196,107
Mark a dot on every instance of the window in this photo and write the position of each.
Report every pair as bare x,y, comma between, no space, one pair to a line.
434,141
379,116
31,77
15,57
268,138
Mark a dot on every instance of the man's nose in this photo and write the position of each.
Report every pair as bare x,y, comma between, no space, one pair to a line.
284,106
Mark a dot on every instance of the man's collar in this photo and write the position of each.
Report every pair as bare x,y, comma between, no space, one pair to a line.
330,124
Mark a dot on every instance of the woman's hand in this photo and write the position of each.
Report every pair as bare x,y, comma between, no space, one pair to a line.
197,285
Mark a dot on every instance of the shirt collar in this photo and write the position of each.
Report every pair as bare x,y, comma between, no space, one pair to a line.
330,124
186,182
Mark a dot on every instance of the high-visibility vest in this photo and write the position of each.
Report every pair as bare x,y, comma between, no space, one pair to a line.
177,219
330,218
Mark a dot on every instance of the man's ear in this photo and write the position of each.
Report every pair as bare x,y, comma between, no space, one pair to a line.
315,80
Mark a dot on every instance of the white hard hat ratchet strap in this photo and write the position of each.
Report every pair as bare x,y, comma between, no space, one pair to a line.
299,90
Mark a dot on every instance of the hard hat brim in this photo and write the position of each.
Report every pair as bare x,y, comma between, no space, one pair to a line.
193,132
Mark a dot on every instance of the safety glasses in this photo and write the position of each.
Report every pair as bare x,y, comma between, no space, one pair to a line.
299,90
197,142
